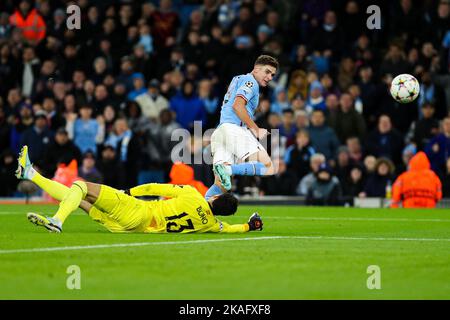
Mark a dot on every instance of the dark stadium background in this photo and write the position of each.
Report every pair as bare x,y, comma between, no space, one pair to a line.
186,52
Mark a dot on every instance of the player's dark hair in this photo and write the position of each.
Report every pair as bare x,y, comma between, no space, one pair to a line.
267,60
224,205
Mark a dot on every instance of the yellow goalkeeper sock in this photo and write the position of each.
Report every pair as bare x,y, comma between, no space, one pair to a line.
72,200
55,189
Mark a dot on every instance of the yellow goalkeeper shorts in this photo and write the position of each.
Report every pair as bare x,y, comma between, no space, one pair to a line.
119,212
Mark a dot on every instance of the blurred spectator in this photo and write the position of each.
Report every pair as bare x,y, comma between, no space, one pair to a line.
5,130
138,86
5,27
127,149
394,62
136,121
298,103
368,92
14,100
316,100
297,85
385,141
164,22
262,113
353,184
355,151
328,86
152,102
301,62
446,180
281,102
29,71
347,122
37,138
88,171
332,108
54,117
85,131
347,71
8,69
109,116
145,38
298,156
29,21
383,176
422,130
323,138
283,182
355,93
431,93
408,152
301,120
343,163
20,123
111,169
329,35
325,189
369,164
188,107
61,150
210,102
8,165
288,128
306,182
100,70
438,148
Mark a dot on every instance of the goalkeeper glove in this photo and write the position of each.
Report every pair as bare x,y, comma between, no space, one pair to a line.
255,222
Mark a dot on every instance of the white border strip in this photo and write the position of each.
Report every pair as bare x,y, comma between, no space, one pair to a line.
141,244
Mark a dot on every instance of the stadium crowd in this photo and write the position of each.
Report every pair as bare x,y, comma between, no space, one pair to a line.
110,94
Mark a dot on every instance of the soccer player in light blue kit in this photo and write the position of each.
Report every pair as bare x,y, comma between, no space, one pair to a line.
234,144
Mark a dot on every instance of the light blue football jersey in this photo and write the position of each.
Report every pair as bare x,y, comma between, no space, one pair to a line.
246,87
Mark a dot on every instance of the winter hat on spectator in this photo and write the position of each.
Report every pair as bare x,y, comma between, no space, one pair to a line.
342,149
24,105
324,167
263,28
62,130
154,83
243,41
138,75
410,148
40,114
59,12
316,85
89,154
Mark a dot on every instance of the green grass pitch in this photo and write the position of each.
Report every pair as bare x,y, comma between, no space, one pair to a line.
304,253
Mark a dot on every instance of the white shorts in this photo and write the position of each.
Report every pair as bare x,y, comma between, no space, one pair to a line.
232,144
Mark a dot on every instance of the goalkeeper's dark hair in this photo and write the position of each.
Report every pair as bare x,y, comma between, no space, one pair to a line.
267,60
224,205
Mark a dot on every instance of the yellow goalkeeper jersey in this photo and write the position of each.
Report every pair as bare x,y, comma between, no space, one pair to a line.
186,210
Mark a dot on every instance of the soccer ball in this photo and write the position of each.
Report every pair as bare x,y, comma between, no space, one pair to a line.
405,88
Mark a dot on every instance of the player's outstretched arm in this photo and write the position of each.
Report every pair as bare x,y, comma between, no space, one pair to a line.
254,223
159,189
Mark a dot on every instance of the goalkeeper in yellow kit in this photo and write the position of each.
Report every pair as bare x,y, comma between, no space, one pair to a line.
119,211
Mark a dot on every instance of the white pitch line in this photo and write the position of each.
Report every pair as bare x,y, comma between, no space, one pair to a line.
141,244
301,218
351,219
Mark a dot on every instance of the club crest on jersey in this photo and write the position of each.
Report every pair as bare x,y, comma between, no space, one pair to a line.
249,84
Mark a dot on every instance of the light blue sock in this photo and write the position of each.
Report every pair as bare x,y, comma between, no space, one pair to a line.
213,191
252,168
